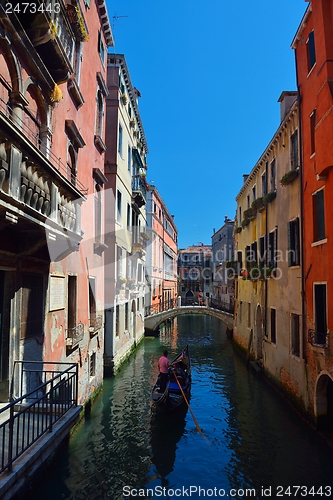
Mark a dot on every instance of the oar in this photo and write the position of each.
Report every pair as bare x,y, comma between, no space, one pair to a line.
193,416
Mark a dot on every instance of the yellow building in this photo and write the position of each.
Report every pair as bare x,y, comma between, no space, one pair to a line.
268,314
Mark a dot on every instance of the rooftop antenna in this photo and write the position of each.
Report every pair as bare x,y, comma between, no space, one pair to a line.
114,20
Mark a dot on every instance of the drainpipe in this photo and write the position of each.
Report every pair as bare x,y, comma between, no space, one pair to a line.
301,215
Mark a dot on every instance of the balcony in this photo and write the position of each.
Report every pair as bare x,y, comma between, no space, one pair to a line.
74,336
37,190
51,34
318,339
139,190
95,325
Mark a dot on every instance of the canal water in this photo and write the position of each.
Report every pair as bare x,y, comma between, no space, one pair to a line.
253,444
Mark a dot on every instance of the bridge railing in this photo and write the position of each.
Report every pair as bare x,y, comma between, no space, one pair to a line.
222,305
162,306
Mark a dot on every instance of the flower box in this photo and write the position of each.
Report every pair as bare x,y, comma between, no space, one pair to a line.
269,197
250,213
258,204
289,177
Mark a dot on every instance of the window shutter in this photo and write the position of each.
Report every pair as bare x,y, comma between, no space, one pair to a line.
290,250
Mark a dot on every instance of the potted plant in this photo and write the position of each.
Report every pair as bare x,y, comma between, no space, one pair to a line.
269,197
123,98
245,222
289,177
258,204
238,229
132,123
250,213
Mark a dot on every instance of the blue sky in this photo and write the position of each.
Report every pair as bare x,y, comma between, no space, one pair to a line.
210,74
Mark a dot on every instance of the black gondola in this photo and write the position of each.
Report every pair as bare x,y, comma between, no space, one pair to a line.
179,375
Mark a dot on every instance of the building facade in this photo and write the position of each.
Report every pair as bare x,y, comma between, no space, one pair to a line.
313,45
52,98
223,285
195,274
125,216
162,253
268,314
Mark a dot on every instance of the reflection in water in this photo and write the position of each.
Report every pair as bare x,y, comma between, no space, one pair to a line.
252,437
166,430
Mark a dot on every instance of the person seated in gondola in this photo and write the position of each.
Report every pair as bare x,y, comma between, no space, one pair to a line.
163,366
178,372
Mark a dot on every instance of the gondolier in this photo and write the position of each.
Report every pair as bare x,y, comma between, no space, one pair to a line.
177,381
163,366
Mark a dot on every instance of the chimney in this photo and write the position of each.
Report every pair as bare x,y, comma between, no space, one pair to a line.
245,176
286,100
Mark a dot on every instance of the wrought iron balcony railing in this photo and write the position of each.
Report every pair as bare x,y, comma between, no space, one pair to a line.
318,338
95,324
74,335
139,190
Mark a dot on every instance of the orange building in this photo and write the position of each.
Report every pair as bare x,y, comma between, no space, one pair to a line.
313,45
161,261
52,99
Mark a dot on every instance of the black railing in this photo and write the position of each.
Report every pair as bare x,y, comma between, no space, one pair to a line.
318,338
222,305
160,307
74,335
39,396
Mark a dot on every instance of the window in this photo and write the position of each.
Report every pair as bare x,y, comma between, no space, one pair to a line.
92,298
273,175
126,316
294,150
248,201
254,254
272,248
320,314
92,364
129,158
263,184
295,335
120,140
318,216
117,321
98,213
128,216
32,305
313,118
254,193
240,215
240,311
293,243
118,206
72,302
262,250
101,48
249,314
100,114
311,51
119,261
273,326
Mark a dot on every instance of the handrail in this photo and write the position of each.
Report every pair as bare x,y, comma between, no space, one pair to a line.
30,415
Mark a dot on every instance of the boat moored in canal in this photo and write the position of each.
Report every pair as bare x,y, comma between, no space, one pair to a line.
178,387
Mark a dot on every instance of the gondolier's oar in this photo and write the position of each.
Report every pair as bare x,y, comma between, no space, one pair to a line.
188,404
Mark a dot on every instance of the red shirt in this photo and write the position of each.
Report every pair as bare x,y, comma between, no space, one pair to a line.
163,364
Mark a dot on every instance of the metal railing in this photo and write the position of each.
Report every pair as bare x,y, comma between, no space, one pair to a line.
39,396
160,307
318,338
74,335
221,305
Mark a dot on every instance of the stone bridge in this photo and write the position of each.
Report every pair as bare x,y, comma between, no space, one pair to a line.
153,321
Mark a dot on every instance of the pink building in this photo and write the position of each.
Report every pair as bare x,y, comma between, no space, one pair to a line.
52,103
162,253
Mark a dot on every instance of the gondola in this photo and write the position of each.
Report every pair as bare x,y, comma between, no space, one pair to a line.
179,374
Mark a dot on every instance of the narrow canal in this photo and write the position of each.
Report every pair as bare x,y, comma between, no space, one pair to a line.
253,441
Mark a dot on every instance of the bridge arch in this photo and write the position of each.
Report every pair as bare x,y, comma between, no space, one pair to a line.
153,321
